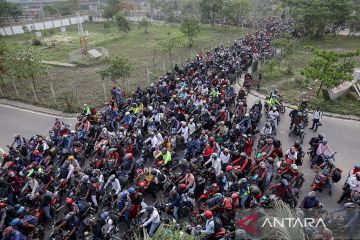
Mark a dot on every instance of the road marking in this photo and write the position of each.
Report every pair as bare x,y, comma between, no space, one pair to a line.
38,113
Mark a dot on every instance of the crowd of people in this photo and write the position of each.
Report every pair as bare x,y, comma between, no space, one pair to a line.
182,149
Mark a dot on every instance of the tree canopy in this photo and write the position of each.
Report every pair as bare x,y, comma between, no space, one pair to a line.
315,17
327,67
8,9
117,68
169,42
190,26
211,10
122,23
112,8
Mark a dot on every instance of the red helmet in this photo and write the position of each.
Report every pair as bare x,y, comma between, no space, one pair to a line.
235,196
129,155
182,186
208,214
229,168
2,204
212,139
69,200
142,184
36,152
214,186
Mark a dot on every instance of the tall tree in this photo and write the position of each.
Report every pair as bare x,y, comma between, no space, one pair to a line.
236,9
211,10
169,42
25,63
118,68
190,26
112,8
8,9
314,18
122,23
328,68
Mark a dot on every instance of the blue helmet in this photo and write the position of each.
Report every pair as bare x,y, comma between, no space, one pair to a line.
15,222
105,215
131,190
20,210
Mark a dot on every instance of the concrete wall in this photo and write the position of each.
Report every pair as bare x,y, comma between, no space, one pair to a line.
38,26
343,88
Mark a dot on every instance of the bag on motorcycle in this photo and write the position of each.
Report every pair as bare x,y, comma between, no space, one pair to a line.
336,175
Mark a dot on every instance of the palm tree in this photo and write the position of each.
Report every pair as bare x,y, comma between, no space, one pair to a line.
280,210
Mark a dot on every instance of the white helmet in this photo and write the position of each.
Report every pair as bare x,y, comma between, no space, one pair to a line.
150,108
104,130
294,167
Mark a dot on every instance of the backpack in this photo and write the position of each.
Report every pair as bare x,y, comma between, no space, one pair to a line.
83,206
336,175
217,224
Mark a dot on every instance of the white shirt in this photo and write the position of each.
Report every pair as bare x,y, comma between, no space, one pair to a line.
209,227
115,185
266,130
291,156
215,164
354,184
317,115
154,217
274,115
192,128
224,158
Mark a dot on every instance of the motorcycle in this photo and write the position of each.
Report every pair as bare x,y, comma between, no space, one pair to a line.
298,131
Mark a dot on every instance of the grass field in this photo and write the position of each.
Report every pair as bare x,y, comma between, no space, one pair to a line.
287,78
83,84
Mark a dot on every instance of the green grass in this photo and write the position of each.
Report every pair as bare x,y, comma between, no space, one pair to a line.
287,75
83,84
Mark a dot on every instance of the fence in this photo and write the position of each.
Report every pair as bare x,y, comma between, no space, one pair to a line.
42,25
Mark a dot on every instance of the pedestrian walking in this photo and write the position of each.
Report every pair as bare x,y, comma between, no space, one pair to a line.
317,115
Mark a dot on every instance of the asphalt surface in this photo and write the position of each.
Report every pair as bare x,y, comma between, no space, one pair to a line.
343,137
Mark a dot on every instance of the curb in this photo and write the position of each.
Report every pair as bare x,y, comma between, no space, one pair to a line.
37,109
327,114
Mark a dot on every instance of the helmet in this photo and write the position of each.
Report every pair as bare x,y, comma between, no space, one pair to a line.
297,143
20,210
36,152
243,154
15,222
294,167
104,130
235,196
182,186
69,200
131,190
93,180
274,108
296,108
129,155
104,215
127,113
349,205
262,165
149,209
331,162
244,136
321,136
229,168
255,190
208,214
246,115
112,177
69,216
71,157
153,172
212,139
325,141
270,159
214,185
172,192
312,194
164,150
2,204
243,180
72,131
299,114
284,182
150,108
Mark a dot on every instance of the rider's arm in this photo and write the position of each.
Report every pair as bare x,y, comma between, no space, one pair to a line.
210,228
118,187
244,165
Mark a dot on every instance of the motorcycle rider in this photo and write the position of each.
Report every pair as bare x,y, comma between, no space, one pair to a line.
291,154
310,201
153,220
267,129
314,144
354,186
71,222
320,153
212,226
326,170
124,205
174,203
215,163
293,114
189,181
115,186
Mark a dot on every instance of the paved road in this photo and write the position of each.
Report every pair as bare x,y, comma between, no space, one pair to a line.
343,137
24,122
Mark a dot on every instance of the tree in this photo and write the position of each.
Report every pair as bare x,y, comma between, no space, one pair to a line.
190,7
280,210
286,45
118,67
144,24
211,10
328,69
236,9
172,233
171,41
314,18
122,23
190,26
112,8
50,11
25,63
8,9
